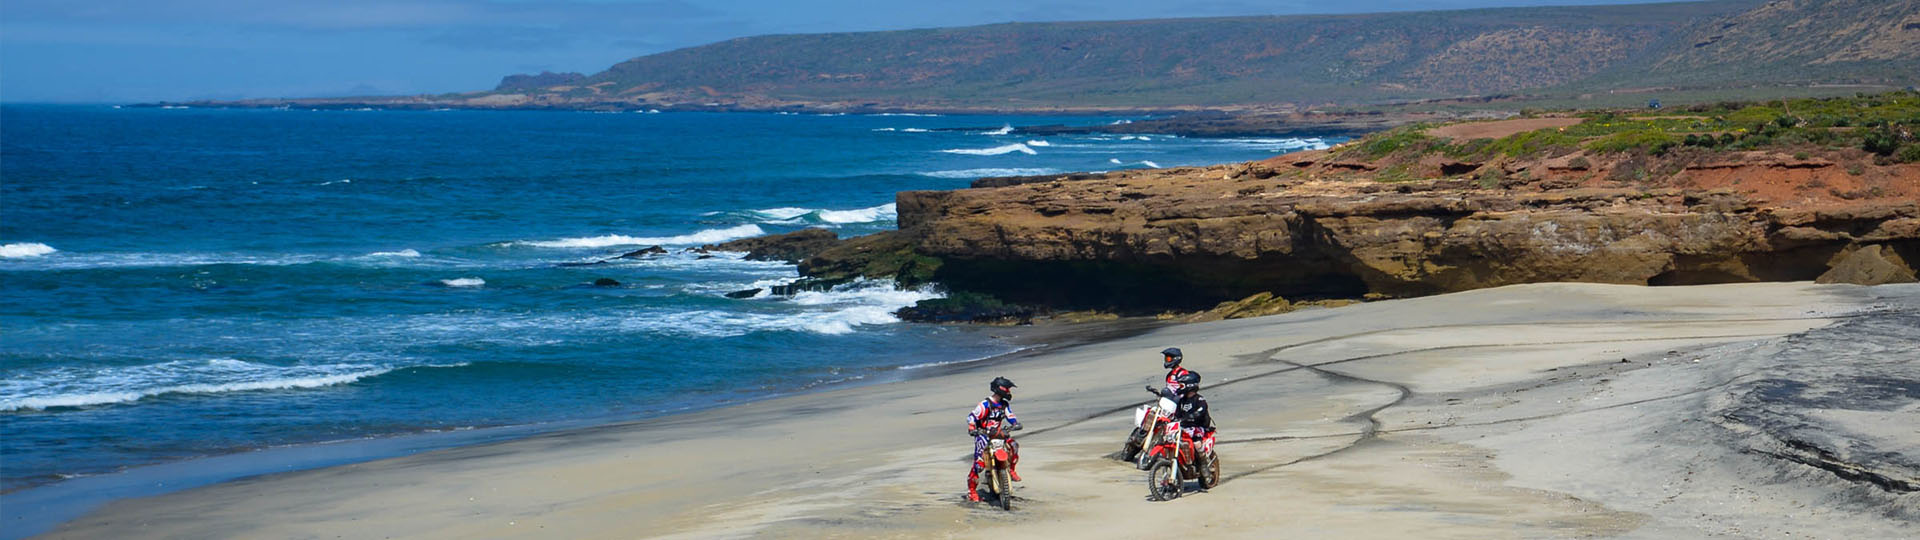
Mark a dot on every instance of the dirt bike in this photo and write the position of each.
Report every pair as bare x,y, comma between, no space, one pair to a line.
1173,464
995,463
1147,420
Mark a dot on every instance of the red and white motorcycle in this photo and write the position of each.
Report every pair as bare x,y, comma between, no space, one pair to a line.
995,463
1148,420
1172,464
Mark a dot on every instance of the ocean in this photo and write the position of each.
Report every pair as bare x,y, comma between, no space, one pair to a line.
183,283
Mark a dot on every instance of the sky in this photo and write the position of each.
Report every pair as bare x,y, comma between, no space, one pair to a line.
114,51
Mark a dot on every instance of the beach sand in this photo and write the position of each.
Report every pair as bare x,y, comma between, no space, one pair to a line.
1548,410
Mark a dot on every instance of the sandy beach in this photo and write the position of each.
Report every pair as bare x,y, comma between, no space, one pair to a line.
1534,411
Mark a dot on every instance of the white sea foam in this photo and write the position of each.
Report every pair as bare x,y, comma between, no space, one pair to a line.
1005,129
703,237
985,172
1279,145
1150,164
406,253
464,282
1038,142
25,249
883,129
85,386
953,362
885,212
916,130
842,310
1121,122
801,216
995,151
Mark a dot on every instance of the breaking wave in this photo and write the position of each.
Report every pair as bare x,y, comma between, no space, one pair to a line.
799,216
708,236
995,151
81,387
985,172
842,310
25,249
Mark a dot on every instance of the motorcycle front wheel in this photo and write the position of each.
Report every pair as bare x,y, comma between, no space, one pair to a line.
1004,487
1161,483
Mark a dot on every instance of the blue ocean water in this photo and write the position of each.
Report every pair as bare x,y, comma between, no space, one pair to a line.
184,283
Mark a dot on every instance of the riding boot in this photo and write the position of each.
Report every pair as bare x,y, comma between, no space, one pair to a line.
1013,468
973,483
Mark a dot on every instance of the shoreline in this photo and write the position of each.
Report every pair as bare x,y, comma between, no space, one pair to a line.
867,461
55,503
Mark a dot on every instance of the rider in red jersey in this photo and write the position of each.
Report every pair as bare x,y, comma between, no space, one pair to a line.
989,414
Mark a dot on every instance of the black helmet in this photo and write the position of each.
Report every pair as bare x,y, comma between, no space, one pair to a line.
1189,382
1001,387
1172,355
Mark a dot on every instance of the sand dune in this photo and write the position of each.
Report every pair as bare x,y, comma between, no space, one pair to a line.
1553,410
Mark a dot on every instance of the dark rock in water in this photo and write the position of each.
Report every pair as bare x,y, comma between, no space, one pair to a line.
648,252
968,307
807,284
703,257
1870,265
790,247
749,293
590,263
889,254
606,282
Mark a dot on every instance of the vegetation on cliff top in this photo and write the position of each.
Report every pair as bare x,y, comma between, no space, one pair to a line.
1884,125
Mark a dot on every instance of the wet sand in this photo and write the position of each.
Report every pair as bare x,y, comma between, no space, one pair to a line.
1551,410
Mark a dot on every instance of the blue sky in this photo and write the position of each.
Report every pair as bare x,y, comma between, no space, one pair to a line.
145,50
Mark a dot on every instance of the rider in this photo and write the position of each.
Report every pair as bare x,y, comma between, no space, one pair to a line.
1192,413
1171,361
986,416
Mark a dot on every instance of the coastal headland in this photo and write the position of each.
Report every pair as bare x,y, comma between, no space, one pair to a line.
1767,410
1797,190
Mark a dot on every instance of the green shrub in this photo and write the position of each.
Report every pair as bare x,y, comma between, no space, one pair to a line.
1655,142
1881,141
1909,153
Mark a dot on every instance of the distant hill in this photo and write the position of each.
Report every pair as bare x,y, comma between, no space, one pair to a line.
1306,59
1239,62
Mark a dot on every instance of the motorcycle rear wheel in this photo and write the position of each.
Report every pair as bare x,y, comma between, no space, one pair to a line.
1210,471
1161,485
1131,450
1003,488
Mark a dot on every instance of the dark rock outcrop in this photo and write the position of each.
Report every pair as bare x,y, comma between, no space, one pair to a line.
968,307
651,251
790,247
606,282
890,254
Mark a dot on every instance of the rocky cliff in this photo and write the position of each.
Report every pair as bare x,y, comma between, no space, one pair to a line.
1318,225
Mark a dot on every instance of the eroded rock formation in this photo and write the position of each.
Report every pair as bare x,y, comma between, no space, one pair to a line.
1310,226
